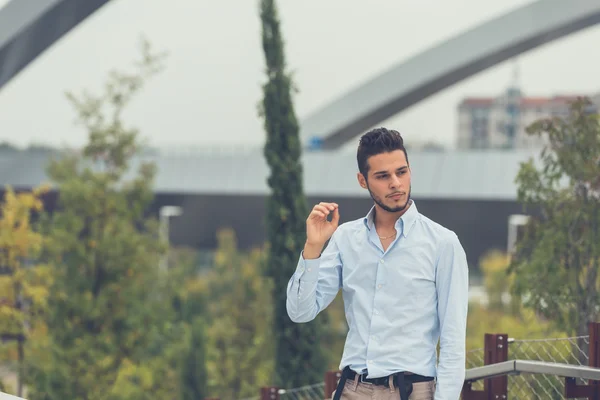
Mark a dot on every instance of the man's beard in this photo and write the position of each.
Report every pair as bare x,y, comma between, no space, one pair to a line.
380,203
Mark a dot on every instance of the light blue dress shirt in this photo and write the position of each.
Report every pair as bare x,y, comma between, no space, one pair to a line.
398,302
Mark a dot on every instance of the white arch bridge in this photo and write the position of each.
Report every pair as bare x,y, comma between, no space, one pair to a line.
29,27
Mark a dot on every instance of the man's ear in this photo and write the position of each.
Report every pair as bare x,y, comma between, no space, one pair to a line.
361,180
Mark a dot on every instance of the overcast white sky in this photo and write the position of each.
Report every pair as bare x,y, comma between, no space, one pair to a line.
209,92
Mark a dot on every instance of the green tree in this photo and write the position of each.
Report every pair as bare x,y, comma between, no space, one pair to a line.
502,316
499,313
239,320
497,281
23,283
189,302
557,261
297,352
110,331
193,366
333,335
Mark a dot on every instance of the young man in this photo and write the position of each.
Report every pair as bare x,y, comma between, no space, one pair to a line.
404,280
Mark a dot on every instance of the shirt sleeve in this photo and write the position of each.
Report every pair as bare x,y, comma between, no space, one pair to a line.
315,284
452,283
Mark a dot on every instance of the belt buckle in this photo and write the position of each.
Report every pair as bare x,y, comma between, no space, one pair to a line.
361,380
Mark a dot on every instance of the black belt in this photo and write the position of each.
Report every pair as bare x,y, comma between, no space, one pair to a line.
402,380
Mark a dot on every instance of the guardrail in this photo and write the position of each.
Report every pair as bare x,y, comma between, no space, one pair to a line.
4,396
515,367
540,378
495,358
495,372
532,367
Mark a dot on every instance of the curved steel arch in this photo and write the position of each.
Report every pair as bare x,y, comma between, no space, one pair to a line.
444,65
29,27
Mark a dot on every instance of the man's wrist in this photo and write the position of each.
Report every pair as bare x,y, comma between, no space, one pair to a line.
312,250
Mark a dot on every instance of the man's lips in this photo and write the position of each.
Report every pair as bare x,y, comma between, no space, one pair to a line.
395,195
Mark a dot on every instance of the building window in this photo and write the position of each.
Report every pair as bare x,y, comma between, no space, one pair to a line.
480,113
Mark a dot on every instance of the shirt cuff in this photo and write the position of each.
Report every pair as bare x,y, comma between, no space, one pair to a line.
308,270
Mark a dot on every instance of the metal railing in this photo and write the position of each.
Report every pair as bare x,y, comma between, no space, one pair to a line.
4,396
567,350
571,351
506,368
581,353
534,369
558,368
309,392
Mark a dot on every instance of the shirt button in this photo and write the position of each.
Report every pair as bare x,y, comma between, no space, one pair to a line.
376,312
379,286
382,261
310,269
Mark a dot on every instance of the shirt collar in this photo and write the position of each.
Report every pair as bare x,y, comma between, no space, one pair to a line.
404,223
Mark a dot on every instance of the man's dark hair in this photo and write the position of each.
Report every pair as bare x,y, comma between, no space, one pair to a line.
377,141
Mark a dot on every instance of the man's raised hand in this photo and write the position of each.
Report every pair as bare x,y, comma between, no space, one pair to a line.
319,229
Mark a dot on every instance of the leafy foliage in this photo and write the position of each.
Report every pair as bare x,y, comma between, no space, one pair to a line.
111,330
502,313
557,261
526,330
240,312
193,362
24,286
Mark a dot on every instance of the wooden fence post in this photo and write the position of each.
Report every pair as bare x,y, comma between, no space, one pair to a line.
331,382
269,393
495,350
592,389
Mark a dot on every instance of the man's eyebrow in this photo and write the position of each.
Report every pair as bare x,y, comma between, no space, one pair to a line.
404,167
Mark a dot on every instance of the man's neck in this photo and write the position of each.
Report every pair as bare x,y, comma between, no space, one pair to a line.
387,220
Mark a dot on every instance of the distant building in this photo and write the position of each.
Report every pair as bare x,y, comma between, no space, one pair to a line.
471,192
500,122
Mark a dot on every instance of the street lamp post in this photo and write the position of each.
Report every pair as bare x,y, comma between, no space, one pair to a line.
515,224
165,213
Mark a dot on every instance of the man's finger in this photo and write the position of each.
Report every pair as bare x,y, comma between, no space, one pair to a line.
323,209
330,206
335,218
317,214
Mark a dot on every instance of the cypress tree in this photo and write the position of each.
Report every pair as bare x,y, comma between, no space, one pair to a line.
298,358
